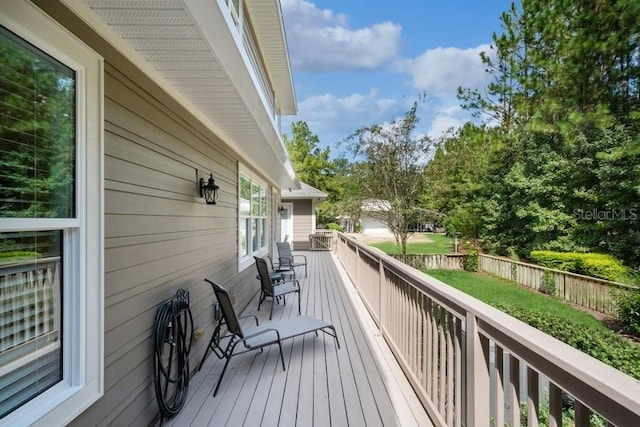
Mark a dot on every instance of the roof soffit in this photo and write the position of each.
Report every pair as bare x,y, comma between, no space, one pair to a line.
191,49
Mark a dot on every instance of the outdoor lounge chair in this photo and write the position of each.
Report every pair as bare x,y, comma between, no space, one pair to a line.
289,261
274,289
257,337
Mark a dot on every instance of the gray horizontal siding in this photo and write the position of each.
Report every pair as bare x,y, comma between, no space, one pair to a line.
160,236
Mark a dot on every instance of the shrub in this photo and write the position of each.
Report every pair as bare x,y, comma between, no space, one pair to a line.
470,261
628,310
334,226
589,264
604,345
548,283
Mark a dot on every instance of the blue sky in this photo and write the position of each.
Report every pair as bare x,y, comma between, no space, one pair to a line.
364,62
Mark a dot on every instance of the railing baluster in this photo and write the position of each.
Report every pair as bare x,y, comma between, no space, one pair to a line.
442,362
477,374
555,406
499,396
514,390
458,373
533,402
450,394
582,415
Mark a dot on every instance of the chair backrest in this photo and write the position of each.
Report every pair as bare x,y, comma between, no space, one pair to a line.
263,273
229,314
284,250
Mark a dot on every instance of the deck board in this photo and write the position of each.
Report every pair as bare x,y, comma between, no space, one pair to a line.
322,385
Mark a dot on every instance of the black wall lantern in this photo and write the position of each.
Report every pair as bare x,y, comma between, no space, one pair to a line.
209,190
281,210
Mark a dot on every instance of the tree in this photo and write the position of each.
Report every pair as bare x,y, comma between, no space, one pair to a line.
313,166
312,163
391,172
565,91
457,177
498,102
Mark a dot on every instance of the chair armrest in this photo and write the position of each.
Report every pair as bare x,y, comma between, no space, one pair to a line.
303,256
262,332
249,315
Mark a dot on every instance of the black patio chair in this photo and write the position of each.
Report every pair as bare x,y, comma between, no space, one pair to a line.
256,337
274,289
287,260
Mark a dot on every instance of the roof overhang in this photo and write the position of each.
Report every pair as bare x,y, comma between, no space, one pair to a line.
191,49
304,192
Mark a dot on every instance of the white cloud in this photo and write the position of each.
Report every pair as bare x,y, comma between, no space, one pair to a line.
441,71
334,118
321,40
442,123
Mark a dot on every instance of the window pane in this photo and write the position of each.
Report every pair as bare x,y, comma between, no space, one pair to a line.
263,234
37,132
245,196
30,315
255,200
254,235
244,227
263,201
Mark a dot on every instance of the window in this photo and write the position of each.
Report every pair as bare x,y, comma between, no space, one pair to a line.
235,8
51,304
253,218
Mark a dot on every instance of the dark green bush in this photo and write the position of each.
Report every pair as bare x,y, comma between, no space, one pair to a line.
589,264
470,261
334,226
604,345
628,310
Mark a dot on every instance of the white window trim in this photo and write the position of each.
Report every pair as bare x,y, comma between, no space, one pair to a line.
83,316
247,260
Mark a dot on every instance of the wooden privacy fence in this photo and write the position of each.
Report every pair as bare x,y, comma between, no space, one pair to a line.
589,292
596,294
473,365
432,261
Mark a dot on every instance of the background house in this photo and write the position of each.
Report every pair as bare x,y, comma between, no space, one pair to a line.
371,218
162,95
298,216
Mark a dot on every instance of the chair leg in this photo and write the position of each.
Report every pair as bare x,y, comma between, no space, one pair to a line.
214,336
221,375
335,335
299,312
273,300
281,355
204,356
228,353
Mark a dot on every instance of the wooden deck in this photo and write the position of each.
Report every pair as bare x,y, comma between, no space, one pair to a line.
359,384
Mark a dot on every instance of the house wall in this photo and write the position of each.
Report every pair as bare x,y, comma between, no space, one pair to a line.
302,224
159,234
372,226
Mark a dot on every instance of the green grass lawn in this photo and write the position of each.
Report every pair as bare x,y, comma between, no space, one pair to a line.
440,244
495,291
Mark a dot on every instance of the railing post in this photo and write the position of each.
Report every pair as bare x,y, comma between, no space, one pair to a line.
357,266
381,282
477,374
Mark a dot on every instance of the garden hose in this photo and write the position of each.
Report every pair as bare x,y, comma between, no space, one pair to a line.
173,335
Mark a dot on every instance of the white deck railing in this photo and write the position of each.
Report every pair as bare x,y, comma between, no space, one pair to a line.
471,364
